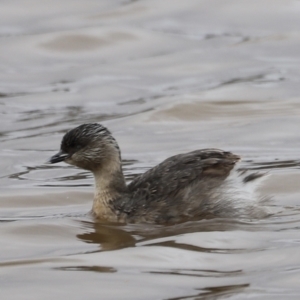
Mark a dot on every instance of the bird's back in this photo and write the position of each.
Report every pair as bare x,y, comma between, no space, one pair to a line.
185,186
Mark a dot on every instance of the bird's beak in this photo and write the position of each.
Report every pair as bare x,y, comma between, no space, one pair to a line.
58,157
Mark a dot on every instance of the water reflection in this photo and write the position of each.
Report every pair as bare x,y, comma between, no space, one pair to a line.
200,273
192,247
278,164
115,236
215,292
98,269
106,236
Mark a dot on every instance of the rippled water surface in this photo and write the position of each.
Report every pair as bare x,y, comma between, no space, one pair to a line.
165,77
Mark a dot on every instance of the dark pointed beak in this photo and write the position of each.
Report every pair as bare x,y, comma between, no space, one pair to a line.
58,157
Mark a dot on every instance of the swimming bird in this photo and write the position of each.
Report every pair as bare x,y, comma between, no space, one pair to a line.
199,184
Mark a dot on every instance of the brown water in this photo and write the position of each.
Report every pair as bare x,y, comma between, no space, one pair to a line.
165,77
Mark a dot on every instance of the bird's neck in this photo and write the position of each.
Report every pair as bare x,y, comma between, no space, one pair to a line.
109,185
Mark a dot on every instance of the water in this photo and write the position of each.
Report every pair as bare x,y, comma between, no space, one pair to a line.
165,77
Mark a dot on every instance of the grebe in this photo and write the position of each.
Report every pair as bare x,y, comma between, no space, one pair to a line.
189,186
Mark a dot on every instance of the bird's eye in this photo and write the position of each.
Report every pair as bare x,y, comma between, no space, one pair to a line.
71,147
77,147
74,147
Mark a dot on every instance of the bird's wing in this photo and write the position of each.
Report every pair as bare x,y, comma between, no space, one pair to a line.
178,171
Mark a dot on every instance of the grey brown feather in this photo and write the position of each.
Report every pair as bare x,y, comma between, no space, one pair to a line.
187,186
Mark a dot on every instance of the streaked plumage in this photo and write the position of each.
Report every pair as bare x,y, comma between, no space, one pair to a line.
194,185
